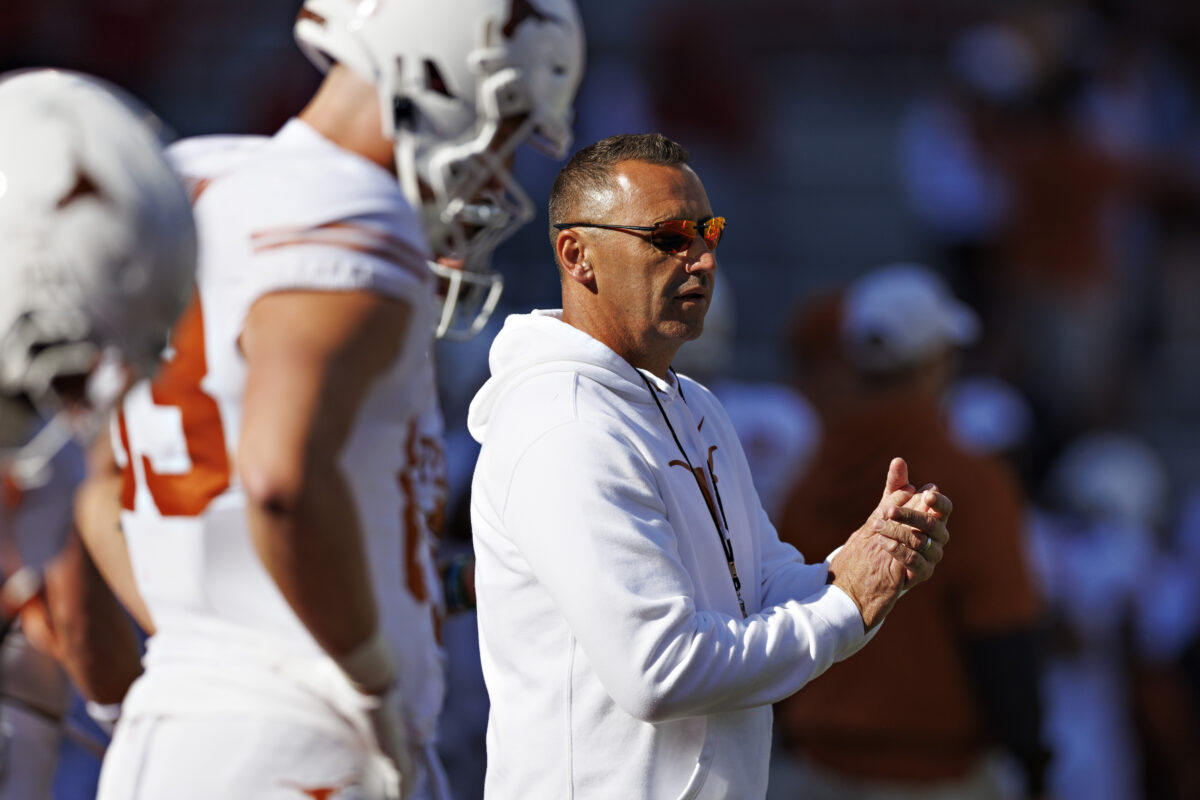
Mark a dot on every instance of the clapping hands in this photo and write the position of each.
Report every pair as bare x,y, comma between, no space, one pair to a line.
896,548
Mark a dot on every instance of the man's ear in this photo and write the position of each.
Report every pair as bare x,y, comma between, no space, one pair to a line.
573,256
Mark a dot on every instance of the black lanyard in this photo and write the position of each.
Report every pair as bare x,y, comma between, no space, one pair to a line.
720,522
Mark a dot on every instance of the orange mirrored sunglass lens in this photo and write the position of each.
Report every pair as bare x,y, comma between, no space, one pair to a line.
714,228
676,235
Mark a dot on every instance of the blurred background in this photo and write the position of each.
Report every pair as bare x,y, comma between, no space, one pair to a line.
1042,157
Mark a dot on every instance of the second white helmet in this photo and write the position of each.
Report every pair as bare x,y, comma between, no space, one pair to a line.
461,85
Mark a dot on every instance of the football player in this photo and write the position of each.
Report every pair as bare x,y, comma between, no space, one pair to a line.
284,473
97,253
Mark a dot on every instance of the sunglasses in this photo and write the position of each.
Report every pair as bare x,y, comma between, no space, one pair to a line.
674,236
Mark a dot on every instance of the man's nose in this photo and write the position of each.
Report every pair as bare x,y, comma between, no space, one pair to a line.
701,257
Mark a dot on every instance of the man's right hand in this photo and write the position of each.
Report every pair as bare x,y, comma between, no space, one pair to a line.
890,553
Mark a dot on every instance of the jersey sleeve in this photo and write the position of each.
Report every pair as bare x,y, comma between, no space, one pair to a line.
363,252
275,216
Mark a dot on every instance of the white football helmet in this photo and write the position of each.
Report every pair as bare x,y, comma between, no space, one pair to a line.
97,242
461,84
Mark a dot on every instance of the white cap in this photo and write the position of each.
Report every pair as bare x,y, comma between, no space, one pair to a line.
898,315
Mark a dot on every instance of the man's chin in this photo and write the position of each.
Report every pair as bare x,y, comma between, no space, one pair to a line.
682,330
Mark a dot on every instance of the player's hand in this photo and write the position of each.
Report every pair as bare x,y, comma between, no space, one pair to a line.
372,672
888,554
386,727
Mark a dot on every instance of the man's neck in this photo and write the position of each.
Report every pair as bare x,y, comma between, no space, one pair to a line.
642,355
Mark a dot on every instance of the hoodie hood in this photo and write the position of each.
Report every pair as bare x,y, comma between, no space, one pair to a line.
538,343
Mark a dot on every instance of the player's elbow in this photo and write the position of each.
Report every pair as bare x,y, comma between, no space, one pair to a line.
271,482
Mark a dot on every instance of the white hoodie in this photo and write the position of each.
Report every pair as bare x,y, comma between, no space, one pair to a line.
617,659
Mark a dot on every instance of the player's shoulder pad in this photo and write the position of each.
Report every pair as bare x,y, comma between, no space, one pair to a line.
200,160
300,182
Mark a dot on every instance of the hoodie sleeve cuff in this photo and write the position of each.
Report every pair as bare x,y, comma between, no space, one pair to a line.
843,618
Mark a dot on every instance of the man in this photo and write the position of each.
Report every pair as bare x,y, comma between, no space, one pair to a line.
969,637
282,476
637,613
97,253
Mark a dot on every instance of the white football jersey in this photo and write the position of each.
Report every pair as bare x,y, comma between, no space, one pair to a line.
288,212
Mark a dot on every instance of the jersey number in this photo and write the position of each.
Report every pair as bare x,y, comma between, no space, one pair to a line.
190,466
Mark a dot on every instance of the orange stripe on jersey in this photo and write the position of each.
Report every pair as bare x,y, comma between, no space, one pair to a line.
196,187
128,479
350,236
178,384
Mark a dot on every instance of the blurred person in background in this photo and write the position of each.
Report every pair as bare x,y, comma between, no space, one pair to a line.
818,369
956,194
283,478
1040,167
97,254
1123,608
969,644
1186,544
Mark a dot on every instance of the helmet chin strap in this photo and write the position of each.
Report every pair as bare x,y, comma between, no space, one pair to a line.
29,467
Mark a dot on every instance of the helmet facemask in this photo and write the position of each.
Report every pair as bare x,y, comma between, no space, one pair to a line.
470,201
70,364
476,204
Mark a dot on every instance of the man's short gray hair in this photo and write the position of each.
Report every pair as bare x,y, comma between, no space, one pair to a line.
591,169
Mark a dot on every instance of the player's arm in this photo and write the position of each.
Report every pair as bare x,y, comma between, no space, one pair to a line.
312,356
79,622
98,520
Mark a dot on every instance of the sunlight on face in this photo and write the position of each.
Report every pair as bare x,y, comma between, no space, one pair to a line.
651,301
